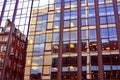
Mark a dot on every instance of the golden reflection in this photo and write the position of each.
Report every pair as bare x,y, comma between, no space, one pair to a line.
72,46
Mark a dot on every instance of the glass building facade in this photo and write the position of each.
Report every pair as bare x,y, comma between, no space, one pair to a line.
14,22
74,40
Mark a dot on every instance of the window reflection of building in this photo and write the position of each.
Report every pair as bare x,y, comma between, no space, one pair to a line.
46,40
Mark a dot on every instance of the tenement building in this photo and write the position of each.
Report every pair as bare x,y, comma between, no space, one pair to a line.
13,46
74,40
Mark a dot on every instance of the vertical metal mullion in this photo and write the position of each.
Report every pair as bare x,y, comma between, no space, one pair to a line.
117,22
100,61
59,73
79,51
30,18
9,41
3,10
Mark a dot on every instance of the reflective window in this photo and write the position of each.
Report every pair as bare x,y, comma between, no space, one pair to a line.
111,19
83,1
55,36
103,20
84,22
56,24
112,32
73,14
42,18
83,14
66,23
66,36
73,23
41,27
104,33
57,1
40,38
101,0
102,12
110,11
83,34
40,48
92,21
67,15
90,1
107,67
91,13
92,34
36,69
57,16
74,35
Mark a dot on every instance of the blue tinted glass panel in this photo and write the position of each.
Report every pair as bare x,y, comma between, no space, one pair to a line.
103,20
92,34
91,13
83,14
90,1
92,21
55,36
66,23
41,27
66,36
57,16
112,32
83,35
66,15
73,14
111,19
107,67
74,35
84,22
118,8
104,33
57,1
56,24
40,38
100,0
36,69
102,12
110,11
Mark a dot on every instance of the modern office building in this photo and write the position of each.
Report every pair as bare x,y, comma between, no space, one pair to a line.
74,40
14,22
